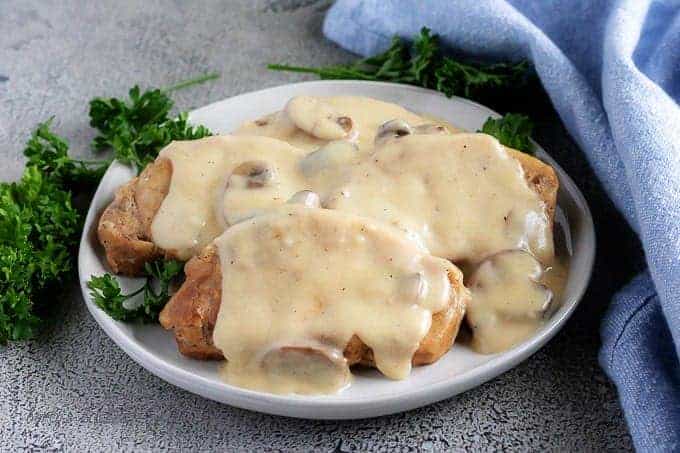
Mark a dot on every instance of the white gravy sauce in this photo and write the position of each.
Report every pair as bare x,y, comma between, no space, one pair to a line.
461,196
189,217
296,127
299,283
512,296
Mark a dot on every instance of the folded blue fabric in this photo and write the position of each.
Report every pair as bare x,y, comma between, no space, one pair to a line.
612,71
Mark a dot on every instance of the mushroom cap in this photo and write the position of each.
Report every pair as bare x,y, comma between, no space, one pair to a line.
318,118
253,174
511,281
306,198
392,129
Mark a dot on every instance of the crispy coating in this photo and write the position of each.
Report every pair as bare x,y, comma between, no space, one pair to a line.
125,225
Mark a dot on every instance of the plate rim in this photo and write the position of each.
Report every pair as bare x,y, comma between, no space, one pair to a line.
319,407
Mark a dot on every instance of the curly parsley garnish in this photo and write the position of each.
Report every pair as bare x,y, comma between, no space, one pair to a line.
513,130
138,128
423,64
40,226
108,296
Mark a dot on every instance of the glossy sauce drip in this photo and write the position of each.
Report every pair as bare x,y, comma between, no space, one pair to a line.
512,296
299,283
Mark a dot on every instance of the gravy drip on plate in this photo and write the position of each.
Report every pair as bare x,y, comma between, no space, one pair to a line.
299,283
512,296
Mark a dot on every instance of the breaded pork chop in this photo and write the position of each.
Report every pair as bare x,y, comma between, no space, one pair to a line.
125,226
192,314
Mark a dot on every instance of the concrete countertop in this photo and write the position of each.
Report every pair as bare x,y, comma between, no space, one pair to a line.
74,389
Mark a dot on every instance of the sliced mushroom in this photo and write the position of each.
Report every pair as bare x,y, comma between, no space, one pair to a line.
413,288
399,128
508,301
430,129
306,368
252,174
318,118
306,198
330,155
392,129
509,284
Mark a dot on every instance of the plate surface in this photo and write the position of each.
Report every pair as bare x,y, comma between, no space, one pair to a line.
370,394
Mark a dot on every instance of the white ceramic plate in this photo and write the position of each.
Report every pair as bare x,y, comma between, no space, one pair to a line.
370,394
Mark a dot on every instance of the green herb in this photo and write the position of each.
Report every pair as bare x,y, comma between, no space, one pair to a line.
49,154
39,228
513,130
424,65
193,81
108,296
138,129
39,225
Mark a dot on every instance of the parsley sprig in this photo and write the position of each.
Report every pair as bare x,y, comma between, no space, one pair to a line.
49,154
138,128
107,294
513,130
40,226
424,64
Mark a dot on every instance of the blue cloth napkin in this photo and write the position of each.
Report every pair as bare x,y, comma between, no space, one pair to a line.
612,71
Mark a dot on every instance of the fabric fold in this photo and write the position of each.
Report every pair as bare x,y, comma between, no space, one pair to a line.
612,71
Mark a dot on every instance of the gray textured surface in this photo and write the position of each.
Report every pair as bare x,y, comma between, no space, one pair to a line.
74,389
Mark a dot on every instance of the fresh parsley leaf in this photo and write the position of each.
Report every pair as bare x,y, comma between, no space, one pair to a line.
512,130
138,128
49,154
424,65
106,293
152,138
39,228
478,82
108,296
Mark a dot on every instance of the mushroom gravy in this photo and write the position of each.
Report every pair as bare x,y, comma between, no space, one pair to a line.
461,196
393,185
189,217
299,283
295,123
512,295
